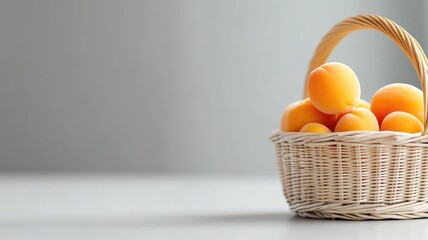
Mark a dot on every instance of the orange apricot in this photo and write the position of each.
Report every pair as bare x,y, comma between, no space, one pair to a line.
401,122
315,128
359,119
300,113
398,97
334,88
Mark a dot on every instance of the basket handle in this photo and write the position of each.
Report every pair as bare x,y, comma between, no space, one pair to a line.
396,33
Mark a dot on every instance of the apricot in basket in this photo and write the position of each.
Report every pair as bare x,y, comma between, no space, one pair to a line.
401,122
359,119
300,113
315,128
334,88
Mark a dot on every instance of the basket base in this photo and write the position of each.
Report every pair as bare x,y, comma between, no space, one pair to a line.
362,216
361,211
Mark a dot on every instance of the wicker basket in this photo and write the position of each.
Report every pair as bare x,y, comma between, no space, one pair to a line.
357,175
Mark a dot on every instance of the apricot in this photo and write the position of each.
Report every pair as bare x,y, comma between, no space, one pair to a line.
401,122
300,113
398,97
334,88
359,119
315,128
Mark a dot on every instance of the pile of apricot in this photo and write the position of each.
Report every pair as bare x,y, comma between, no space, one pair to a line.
334,105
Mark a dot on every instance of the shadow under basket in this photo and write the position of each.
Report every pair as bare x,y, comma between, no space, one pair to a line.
357,175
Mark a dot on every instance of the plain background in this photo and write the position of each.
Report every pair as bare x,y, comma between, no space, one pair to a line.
171,86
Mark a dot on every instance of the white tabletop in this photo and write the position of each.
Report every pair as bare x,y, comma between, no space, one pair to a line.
170,207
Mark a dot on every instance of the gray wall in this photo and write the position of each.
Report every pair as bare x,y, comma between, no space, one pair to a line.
170,86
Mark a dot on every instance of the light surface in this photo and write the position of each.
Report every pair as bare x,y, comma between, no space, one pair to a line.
165,207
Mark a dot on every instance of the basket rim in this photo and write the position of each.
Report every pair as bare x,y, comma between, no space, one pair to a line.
356,137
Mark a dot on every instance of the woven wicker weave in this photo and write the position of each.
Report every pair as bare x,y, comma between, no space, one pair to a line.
357,175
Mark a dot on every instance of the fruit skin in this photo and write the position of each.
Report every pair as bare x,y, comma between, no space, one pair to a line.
363,104
315,128
300,113
359,119
334,88
398,97
401,122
